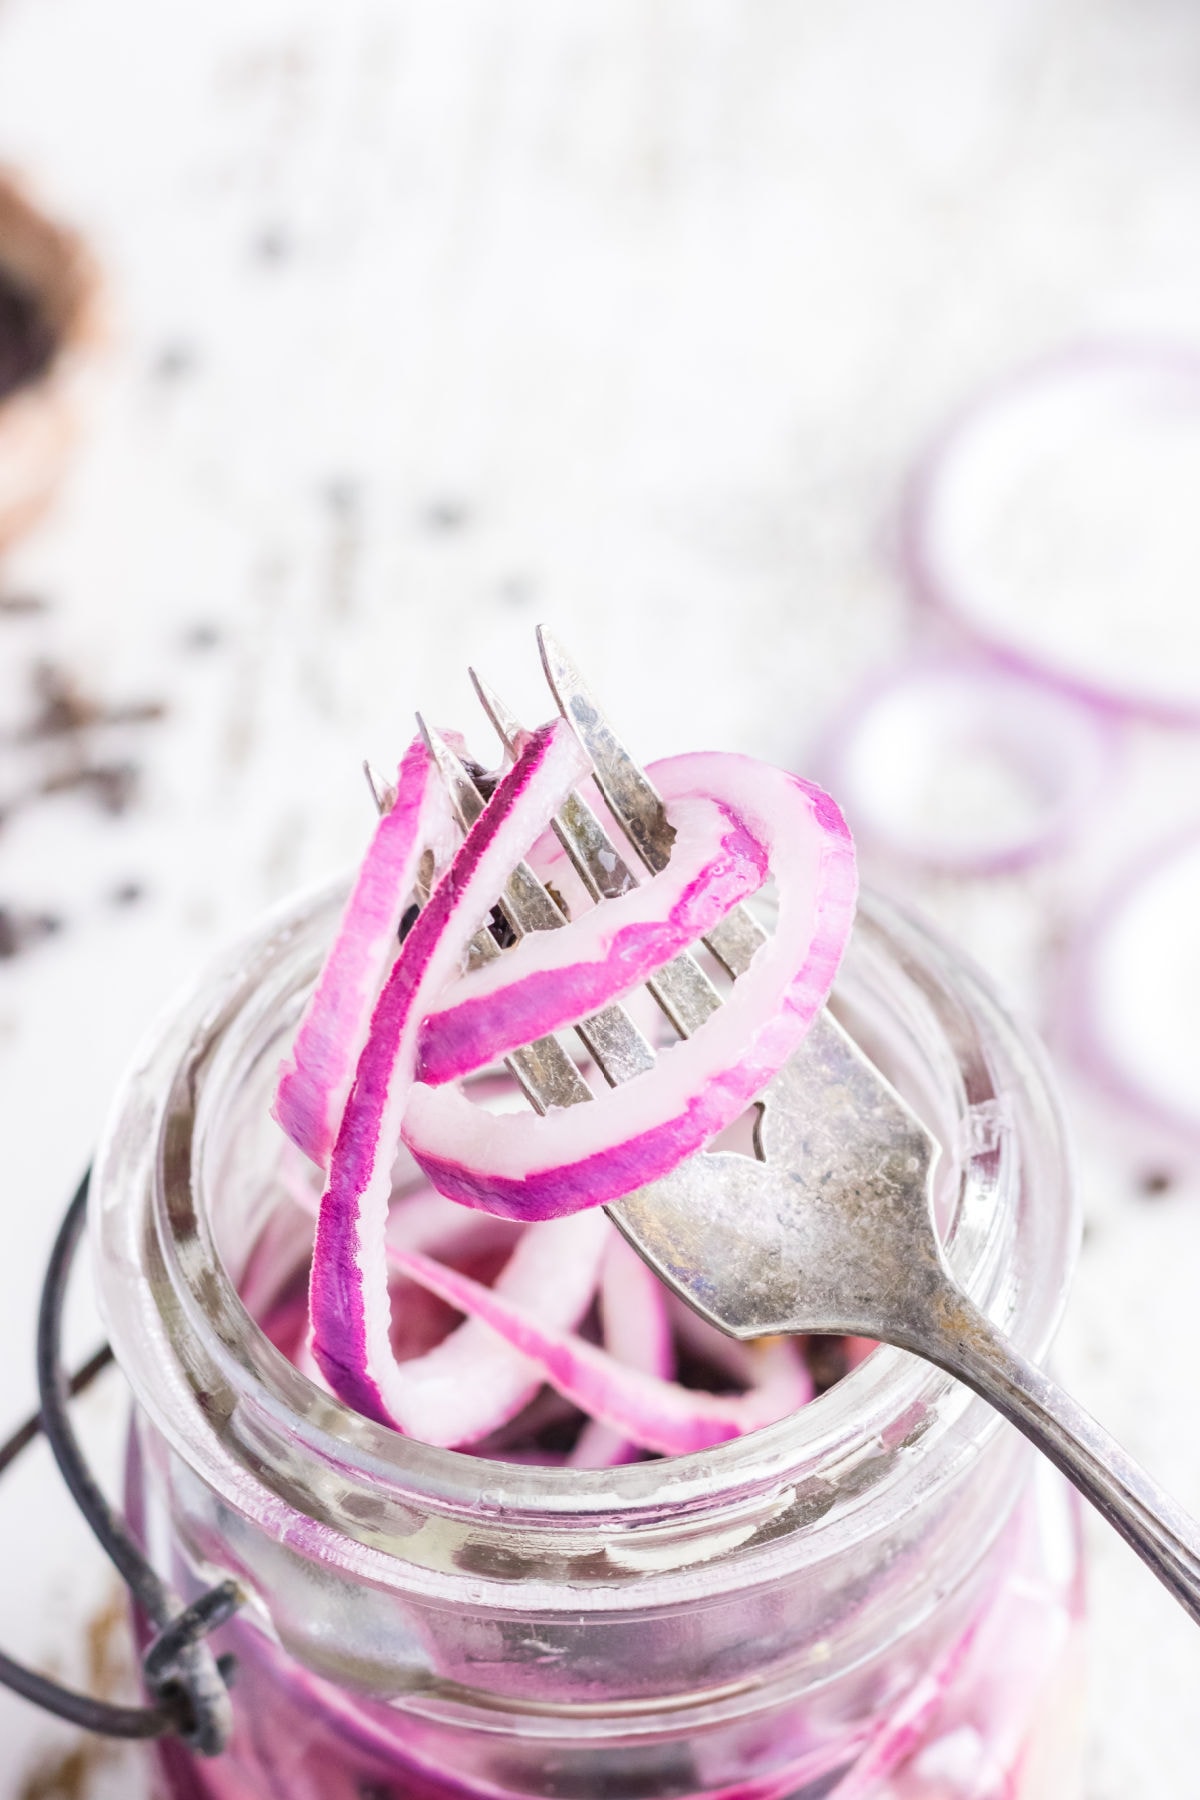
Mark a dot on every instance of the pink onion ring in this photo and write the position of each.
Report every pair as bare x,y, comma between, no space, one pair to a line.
314,1082
1133,1001
734,821
551,979
1056,521
636,1332
468,1385
659,1415
348,1293
954,764
531,1168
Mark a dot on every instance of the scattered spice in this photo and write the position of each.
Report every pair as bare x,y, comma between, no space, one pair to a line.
173,361
204,635
343,495
273,244
114,785
517,590
64,707
59,739
22,606
19,931
27,340
446,515
67,1775
1156,1182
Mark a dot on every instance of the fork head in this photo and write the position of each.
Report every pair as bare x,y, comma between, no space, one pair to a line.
829,1227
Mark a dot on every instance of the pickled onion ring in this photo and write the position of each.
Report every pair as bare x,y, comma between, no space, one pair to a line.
1131,1016
316,1078
659,1415
636,1330
1065,494
468,1385
530,1168
552,979
735,822
957,765
348,1293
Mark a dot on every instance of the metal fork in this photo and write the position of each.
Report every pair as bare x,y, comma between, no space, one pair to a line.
832,1229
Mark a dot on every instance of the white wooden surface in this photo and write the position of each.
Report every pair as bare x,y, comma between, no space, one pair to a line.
430,321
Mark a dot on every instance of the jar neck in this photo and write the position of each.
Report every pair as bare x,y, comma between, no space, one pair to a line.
188,1177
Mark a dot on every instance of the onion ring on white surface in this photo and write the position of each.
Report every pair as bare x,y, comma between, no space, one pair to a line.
1056,520
958,765
1134,1001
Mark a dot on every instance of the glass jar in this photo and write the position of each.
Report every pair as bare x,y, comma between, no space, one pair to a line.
878,1596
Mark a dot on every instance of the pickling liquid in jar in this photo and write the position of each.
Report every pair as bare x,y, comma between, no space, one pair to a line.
878,1598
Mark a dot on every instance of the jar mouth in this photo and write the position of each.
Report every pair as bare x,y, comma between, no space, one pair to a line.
241,1414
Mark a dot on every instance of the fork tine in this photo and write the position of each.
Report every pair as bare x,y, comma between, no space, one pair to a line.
617,1046
507,726
631,797
578,830
635,804
543,1069
383,793
524,902
681,987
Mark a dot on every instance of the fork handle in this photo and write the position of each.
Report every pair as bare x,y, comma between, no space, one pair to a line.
969,1346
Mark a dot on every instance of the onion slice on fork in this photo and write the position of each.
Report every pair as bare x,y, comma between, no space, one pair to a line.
348,1295
530,1168
315,1080
736,823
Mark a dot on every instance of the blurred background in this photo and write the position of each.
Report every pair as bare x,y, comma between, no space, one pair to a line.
340,343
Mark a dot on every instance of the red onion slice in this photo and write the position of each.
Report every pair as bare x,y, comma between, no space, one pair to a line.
657,1414
348,1294
956,765
551,979
734,821
1136,993
904,1729
1056,520
636,1332
469,1385
315,1080
530,1168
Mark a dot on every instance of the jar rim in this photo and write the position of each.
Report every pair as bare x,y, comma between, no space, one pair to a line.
180,1330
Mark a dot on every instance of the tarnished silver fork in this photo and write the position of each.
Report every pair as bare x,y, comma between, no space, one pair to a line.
831,1230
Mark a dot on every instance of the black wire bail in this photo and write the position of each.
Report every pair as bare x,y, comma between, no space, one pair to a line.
188,1684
